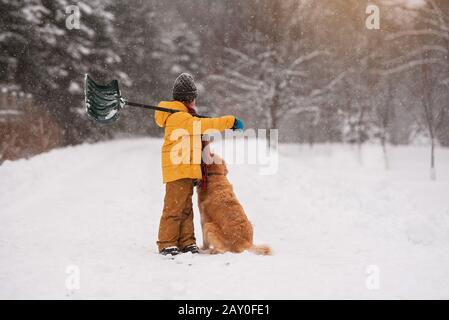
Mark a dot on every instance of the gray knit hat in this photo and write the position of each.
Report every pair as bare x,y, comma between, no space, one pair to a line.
184,88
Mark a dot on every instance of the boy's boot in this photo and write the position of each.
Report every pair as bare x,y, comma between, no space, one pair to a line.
170,251
193,248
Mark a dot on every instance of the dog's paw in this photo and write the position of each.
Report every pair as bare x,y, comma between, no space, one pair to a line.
205,251
215,251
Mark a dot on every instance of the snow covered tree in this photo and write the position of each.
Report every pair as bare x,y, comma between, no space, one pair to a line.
382,114
180,50
272,72
137,30
49,60
425,51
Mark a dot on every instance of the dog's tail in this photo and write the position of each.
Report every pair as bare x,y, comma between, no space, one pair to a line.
262,249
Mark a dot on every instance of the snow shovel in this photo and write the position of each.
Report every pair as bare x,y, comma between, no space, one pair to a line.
104,102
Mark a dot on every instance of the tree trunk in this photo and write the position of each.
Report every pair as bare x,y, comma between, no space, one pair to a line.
433,175
384,115
274,115
385,153
429,117
359,153
359,135
311,139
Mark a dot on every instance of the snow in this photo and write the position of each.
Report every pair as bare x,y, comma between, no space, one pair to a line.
330,221
11,112
75,87
86,8
112,113
415,3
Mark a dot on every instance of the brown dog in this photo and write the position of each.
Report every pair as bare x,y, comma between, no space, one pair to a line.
225,225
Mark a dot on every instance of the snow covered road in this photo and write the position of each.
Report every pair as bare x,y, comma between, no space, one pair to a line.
338,229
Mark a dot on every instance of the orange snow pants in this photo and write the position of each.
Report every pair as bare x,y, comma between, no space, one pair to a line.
176,225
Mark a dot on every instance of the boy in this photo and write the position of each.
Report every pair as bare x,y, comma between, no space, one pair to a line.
176,233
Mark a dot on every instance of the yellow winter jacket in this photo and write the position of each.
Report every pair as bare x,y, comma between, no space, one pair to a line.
181,151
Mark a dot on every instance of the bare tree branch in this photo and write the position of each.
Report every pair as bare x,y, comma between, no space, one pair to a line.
414,33
416,52
407,66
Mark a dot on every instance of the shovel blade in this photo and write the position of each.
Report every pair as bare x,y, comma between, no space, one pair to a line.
103,102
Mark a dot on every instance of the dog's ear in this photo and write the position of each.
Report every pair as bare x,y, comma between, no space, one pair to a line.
225,168
217,166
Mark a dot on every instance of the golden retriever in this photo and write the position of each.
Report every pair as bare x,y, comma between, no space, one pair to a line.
225,225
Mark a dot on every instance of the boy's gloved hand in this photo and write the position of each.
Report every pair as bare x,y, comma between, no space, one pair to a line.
238,124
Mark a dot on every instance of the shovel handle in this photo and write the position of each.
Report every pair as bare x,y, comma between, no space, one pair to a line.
146,106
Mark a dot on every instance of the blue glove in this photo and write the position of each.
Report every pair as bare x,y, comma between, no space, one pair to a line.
238,124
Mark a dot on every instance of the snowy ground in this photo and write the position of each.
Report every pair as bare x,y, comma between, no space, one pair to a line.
334,225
